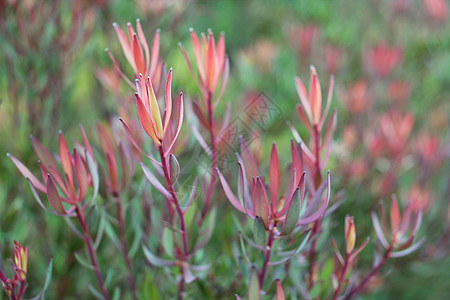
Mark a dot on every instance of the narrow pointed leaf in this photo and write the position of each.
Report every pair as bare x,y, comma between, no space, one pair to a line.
53,197
155,183
174,169
280,293
260,202
168,102
27,174
156,261
293,214
254,288
259,232
228,192
274,174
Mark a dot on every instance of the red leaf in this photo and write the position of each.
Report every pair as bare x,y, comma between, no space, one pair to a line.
168,102
230,196
274,177
154,55
53,197
251,166
146,120
144,43
395,216
43,155
280,293
66,160
138,55
82,175
179,124
27,174
260,201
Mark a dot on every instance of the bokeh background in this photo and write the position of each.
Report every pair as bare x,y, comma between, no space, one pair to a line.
388,58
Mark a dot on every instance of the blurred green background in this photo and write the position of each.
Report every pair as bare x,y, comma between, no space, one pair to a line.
262,41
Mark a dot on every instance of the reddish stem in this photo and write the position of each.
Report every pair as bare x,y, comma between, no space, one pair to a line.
316,226
267,252
23,287
124,247
87,241
375,269
174,199
181,285
341,276
213,159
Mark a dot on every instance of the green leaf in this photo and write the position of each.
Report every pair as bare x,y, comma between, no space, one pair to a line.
259,232
93,170
292,215
83,262
94,291
167,241
253,286
112,235
148,289
244,252
156,261
174,169
48,276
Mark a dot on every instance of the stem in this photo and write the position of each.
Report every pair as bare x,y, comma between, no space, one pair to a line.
359,287
267,252
341,276
22,289
316,226
181,284
213,159
312,254
87,241
174,200
124,246
180,216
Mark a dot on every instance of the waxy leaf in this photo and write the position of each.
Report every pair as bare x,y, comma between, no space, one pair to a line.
53,197
260,201
229,193
155,183
156,261
274,175
293,214
254,288
27,174
280,293
174,169
259,232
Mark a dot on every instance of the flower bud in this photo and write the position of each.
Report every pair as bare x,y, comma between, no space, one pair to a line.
350,234
21,259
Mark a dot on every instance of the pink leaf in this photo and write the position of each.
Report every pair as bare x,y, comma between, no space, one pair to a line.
27,174
274,177
230,196
53,197
260,201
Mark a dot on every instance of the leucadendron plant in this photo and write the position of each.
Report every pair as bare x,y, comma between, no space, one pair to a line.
212,71
286,205
278,215
67,191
